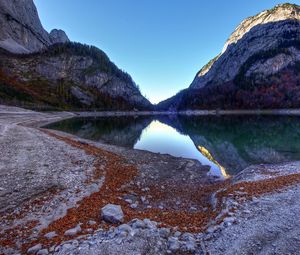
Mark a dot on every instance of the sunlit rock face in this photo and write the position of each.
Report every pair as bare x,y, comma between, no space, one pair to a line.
259,67
21,30
262,32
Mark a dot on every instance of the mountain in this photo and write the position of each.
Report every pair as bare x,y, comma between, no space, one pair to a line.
21,30
46,71
259,67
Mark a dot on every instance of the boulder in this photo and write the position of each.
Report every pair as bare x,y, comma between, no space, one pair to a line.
112,214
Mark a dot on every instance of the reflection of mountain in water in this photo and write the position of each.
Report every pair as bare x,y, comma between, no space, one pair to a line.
230,142
121,131
237,142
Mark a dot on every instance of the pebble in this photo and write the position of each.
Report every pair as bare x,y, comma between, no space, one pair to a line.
138,224
134,206
34,249
177,234
50,235
212,229
164,232
43,252
190,245
92,222
73,231
173,244
187,237
67,246
125,228
129,201
150,224
229,220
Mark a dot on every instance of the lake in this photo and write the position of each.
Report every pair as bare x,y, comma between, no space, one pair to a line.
228,144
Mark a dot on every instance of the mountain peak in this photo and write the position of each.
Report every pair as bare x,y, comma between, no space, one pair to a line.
58,36
278,13
21,29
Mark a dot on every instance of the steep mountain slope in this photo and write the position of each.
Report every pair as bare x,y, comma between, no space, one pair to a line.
259,66
21,30
45,71
68,76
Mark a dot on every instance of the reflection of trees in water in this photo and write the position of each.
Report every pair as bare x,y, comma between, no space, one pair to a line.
122,131
235,142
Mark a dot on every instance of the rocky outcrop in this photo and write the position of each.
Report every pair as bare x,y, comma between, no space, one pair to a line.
262,32
47,70
21,30
260,48
58,36
71,76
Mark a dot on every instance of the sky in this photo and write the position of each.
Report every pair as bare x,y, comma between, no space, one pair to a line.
162,44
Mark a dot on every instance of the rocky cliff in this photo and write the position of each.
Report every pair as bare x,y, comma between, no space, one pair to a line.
44,69
21,30
68,76
258,67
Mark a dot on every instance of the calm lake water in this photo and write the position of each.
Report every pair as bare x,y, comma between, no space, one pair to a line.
228,144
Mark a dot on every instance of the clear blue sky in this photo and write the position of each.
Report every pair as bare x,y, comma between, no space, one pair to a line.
160,43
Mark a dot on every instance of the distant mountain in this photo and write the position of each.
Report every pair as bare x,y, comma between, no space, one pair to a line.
46,71
259,67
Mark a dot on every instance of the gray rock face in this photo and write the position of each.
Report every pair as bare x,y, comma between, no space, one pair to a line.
58,36
262,32
75,70
21,30
112,213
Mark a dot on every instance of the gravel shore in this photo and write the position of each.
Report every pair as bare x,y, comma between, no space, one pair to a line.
53,186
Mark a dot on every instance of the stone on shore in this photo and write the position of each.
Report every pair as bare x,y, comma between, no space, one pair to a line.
73,231
34,249
112,214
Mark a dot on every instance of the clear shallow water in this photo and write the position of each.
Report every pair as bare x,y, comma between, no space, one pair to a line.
228,144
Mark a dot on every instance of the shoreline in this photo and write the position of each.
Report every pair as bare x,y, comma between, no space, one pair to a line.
190,113
224,205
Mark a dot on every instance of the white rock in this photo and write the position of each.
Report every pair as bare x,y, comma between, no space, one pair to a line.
43,252
50,235
34,249
150,224
73,231
112,213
